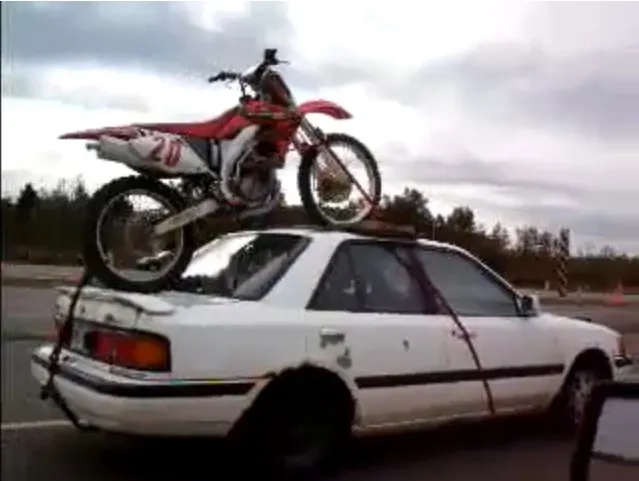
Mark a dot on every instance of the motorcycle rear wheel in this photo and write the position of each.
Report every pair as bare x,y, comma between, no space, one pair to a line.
96,262
305,174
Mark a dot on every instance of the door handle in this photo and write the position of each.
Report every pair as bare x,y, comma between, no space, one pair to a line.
330,335
459,334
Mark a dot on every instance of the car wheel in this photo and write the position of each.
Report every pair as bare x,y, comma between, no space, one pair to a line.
297,436
576,394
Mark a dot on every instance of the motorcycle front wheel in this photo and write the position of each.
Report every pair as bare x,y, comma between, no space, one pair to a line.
328,193
112,216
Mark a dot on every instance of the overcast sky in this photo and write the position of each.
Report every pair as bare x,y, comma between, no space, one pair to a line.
529,113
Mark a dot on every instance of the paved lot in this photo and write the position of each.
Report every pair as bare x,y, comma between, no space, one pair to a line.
37,445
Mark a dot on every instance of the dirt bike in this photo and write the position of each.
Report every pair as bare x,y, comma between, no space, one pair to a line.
224,166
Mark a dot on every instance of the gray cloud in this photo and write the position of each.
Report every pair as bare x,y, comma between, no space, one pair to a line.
575,70
509,177
19,83
578,70
588,226
597,214
26,83
596,93
157,36
474,170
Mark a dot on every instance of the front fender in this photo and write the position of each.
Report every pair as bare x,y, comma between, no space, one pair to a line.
325,107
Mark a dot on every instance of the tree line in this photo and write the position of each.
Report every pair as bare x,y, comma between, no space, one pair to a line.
45,226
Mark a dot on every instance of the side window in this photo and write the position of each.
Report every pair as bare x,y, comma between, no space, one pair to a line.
469,290
338,289
385,280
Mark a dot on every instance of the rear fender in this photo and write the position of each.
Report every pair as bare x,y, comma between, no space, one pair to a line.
324,107
153,153
348,382
125,132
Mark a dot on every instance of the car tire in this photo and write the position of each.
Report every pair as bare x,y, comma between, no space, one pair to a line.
295,436
575,394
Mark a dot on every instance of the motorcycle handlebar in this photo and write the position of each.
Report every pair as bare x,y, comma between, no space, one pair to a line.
269,59
223,75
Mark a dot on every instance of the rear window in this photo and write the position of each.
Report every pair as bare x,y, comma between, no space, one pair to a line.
242,266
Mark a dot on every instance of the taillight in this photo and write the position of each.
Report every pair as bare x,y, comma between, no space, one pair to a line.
129,349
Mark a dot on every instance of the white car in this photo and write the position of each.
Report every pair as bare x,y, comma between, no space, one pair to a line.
294,339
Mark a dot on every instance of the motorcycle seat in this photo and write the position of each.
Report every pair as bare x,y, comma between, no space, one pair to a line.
208,129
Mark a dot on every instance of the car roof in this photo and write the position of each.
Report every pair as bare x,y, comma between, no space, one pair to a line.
296,287
374,231
298,283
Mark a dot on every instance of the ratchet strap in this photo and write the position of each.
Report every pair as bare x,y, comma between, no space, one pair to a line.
49,389
428,285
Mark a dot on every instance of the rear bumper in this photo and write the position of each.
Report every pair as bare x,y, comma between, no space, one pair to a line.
626,367
120,404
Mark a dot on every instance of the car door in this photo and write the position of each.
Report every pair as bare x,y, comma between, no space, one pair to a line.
396,342
518,354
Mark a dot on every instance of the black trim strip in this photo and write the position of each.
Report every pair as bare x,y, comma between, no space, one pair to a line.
443,377
175,389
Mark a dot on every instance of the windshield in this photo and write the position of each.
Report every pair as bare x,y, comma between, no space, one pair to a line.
243,266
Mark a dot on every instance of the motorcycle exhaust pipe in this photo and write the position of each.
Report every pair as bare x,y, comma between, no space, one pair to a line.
116,150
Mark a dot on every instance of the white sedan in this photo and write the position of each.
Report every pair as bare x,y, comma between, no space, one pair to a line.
291,340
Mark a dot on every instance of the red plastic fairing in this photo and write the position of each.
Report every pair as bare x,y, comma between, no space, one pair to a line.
209,129
325,107
124,132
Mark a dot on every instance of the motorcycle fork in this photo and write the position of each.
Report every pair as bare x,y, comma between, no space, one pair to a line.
318,140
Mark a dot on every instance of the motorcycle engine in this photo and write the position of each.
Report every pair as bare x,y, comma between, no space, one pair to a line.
254,179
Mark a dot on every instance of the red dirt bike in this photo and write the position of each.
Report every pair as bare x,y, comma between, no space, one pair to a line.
225,166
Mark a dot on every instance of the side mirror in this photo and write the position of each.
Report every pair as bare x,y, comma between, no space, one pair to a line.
609,437
529,305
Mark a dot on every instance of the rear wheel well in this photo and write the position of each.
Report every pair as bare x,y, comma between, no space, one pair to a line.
305,384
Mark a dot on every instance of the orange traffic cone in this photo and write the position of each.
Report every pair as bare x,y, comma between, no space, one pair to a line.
616,299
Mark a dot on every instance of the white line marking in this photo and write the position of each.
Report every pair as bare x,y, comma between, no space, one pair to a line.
48,424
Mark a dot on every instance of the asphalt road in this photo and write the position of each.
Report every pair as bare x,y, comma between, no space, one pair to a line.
37,445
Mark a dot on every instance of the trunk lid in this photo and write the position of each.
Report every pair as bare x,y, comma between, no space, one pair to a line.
123,309
105,306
